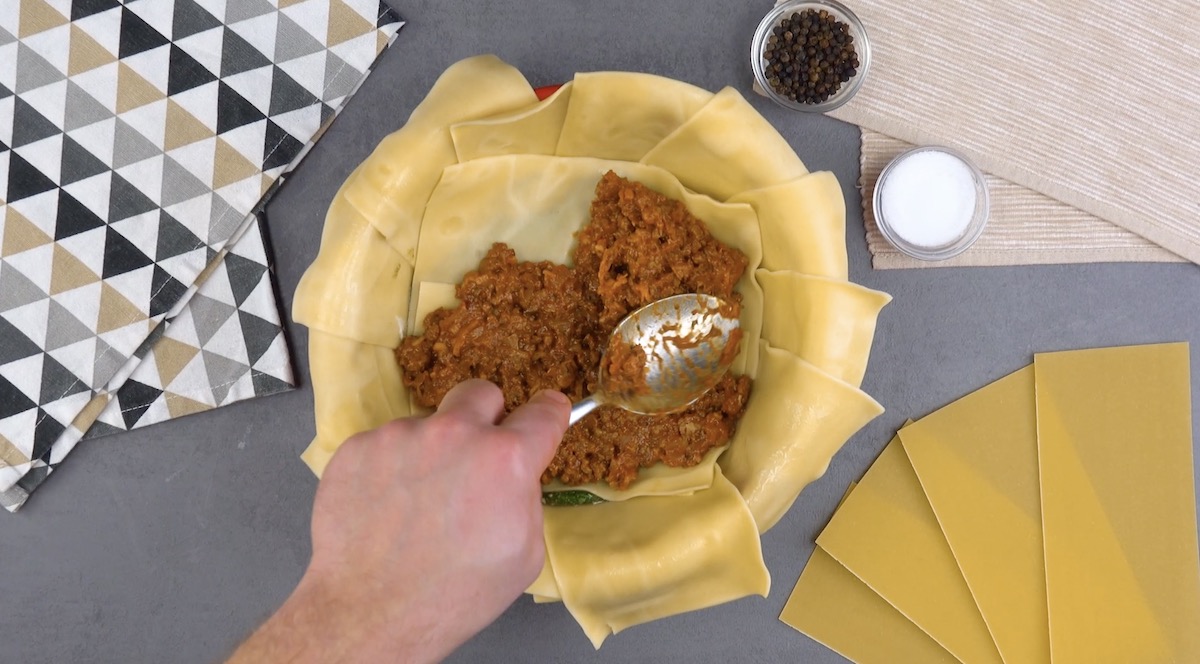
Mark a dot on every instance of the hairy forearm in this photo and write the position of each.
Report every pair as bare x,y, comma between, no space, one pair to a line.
424,531
322,622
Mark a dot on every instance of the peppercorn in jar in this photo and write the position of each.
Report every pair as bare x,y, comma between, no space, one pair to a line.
810,55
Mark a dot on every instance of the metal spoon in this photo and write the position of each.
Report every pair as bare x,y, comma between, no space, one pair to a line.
689,342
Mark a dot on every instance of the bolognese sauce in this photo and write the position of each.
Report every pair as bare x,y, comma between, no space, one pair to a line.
529,326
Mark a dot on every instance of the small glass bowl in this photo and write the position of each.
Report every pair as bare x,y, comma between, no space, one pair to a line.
970,234
862,47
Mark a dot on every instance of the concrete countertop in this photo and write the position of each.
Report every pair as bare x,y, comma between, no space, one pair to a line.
171,543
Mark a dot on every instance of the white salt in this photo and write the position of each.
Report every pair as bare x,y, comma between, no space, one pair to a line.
928,198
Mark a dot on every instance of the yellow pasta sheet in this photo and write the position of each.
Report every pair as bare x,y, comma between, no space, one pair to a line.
829,323
533,130
835,608
431,296
622,115
657,480
887,535
803,225
357,287
393,185
360,390
786,441
977,462
623,564
727,148
1118,505
544,589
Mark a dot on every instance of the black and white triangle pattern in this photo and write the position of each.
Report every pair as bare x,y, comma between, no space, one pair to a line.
136,140
225,345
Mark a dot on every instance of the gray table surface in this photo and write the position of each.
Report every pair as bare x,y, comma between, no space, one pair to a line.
171,543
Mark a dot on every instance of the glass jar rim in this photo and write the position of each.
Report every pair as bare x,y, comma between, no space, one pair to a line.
960,244
840,12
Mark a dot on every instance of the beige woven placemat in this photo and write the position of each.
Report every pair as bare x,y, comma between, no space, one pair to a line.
1025,227
1095,104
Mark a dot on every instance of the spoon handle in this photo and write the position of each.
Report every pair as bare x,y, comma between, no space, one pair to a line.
583,407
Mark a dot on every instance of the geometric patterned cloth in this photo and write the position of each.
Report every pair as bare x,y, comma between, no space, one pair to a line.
139,142
226,345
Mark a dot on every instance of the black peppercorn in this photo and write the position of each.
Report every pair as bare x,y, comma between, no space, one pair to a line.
809,56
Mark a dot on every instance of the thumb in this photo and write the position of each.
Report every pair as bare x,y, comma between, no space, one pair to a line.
540,424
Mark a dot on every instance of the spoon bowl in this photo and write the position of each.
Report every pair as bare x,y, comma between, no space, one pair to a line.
664,356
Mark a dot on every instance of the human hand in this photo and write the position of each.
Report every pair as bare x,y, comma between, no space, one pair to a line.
425,530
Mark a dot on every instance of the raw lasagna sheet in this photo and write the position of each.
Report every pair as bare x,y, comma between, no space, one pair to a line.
1118,504
887,535
977,460
1051,513
836,608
